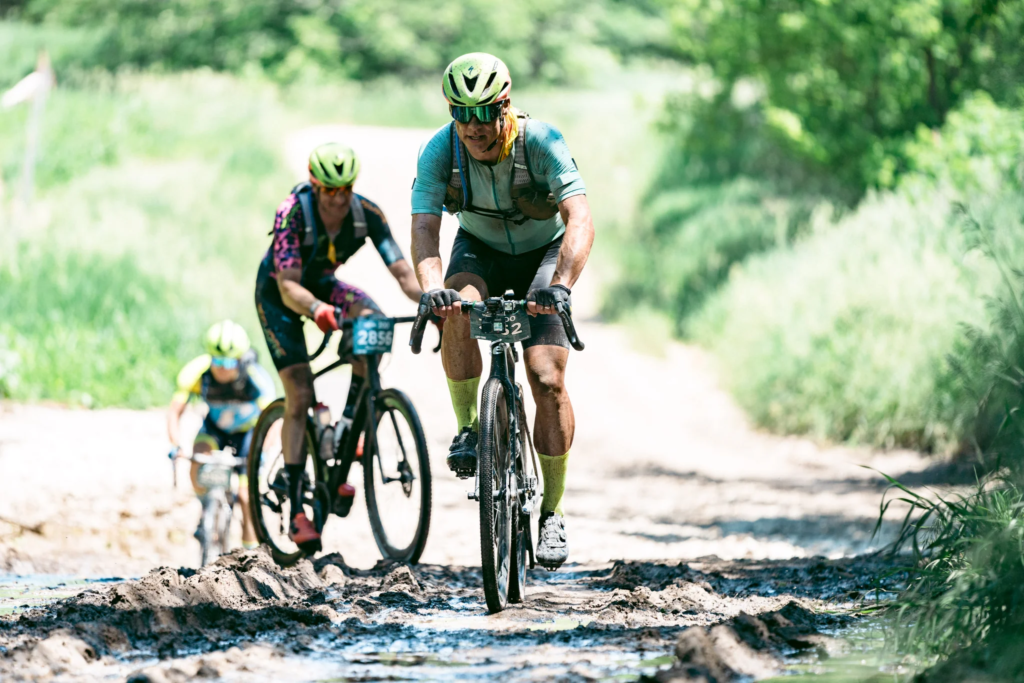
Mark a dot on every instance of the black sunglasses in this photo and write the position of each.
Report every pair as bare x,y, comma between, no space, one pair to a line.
486,113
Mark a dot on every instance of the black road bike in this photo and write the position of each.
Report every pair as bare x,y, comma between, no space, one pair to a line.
385,437
507,480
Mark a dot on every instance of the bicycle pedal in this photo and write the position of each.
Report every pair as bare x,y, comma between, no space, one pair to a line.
465,473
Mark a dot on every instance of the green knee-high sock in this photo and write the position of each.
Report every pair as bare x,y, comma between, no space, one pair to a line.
553,468
463,393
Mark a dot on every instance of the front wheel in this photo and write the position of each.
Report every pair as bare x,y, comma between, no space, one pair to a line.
396,475
208,531
498,495
269,502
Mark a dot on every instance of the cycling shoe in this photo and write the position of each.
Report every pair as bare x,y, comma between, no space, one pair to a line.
304,534
552,550
462,454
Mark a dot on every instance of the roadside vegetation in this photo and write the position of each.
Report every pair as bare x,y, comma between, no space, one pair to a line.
961,607
802,224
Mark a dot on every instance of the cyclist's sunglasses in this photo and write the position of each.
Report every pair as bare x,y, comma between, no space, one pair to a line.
331,191
485,113
224,362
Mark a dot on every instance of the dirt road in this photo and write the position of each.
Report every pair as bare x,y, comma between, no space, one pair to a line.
664,467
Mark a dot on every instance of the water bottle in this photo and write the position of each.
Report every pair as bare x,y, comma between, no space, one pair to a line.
325,431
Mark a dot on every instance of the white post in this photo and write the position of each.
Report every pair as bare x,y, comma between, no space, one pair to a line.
28,169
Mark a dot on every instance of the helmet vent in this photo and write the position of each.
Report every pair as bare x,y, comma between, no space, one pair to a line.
490,79
455,88
470,82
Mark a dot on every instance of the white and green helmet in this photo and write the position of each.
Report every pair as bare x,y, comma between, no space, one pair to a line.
476,79
333,165
227,339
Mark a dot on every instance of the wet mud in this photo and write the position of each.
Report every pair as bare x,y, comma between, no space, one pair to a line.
244,617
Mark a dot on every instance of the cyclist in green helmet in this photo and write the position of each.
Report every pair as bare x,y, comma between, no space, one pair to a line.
318,227
524,225
235,388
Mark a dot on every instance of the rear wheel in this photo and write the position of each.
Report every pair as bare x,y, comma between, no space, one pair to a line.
269,502
497,495
396,475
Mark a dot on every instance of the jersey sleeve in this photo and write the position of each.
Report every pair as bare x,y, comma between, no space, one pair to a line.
432,171
551,159
189,382
288,228
380,232
263,381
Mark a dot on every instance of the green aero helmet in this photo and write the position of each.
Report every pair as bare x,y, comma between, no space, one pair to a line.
227,339
476,79
333,165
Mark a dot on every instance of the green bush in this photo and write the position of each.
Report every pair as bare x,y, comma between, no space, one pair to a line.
845,335
839,87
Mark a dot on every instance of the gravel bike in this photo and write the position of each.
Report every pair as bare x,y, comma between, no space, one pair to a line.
506,483
216,470
385,437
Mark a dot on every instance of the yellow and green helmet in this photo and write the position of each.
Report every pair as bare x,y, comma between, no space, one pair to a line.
227,339
333,165
476,79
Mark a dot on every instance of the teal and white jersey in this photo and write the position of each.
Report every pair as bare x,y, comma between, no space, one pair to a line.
552,166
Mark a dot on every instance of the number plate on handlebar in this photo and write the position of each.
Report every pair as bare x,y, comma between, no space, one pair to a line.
504,325
372,335
211,476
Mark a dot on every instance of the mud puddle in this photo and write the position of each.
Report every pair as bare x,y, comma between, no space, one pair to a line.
19,593
863,657
245,618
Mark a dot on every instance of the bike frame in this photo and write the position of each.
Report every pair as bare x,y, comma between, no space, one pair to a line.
365,402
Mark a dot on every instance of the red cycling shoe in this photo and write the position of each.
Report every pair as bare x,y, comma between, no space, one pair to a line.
304,534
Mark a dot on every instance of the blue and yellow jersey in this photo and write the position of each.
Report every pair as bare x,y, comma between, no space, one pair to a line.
234,407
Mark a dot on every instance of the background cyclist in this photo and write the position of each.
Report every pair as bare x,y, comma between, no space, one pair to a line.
526,231
296,279
235,388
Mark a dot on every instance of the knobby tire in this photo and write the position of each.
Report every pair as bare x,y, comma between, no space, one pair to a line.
395,400
495,544
271,414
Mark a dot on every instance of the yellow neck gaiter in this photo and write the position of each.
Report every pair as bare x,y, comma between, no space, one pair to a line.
511,131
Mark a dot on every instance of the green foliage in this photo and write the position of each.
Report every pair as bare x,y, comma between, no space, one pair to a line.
364,39
963,600
844,336
841,85
105,302
979,151
690,239
91,329
20,46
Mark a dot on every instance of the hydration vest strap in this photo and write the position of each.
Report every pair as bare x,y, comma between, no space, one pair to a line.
358,217
304,191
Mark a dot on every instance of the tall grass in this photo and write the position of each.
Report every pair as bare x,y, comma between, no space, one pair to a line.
964,602
156,197
845,336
